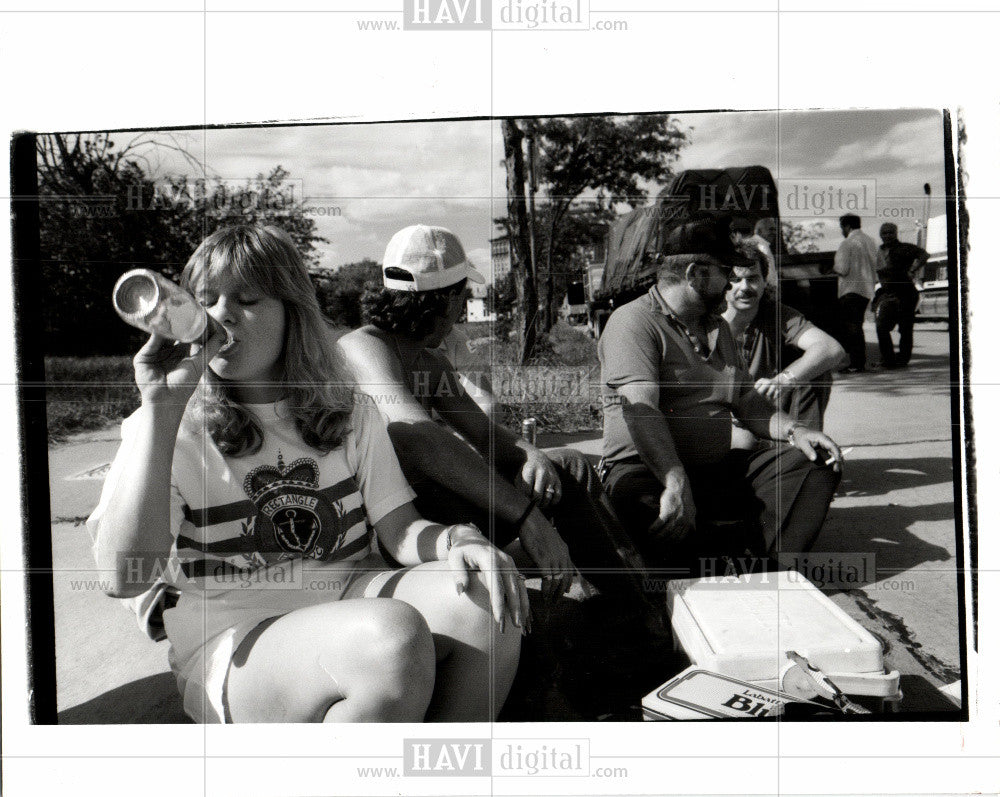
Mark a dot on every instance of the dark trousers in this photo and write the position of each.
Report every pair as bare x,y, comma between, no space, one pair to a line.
852,335
895,309
598,544
765,502
807,403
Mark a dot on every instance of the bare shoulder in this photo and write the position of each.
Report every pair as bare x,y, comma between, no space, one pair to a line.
365,345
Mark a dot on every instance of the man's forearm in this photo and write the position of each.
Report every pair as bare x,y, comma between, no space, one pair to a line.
510,450
653,441
815,361
426,450
499,446
774,428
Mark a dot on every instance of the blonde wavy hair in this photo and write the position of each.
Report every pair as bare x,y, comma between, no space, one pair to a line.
319,390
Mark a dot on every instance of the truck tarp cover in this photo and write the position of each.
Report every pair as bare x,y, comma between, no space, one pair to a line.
636,238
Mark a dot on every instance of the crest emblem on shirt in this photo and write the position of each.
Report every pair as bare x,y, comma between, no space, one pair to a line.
293,517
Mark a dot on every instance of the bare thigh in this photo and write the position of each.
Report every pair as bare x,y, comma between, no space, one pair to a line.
376,653
450,615
476,660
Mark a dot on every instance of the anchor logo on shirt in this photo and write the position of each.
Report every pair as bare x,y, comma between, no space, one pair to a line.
292,514
297,529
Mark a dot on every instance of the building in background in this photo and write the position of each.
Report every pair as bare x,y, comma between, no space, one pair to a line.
500,257
476,310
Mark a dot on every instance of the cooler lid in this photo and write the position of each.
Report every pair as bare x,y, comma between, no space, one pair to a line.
743,625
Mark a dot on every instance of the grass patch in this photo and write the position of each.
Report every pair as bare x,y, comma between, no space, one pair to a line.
567,349
85,393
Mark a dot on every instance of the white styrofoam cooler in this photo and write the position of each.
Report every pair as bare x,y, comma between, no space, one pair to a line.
742,626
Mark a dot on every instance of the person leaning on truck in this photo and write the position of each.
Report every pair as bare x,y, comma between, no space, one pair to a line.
671,385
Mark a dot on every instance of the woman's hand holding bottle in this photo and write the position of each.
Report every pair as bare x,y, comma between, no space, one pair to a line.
167,372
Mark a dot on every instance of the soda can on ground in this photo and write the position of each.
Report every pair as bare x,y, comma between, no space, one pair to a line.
529,430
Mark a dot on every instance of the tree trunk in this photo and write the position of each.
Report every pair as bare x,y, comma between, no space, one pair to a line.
547,292
547,299
520,246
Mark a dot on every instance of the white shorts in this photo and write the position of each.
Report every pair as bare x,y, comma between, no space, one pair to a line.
206,628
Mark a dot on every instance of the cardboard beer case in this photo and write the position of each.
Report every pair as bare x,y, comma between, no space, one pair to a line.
743,627
697,694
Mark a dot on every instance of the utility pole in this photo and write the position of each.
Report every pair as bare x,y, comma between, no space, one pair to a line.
922,229
520,243
532,235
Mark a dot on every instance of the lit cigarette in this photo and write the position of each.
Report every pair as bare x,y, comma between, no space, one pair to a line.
843,453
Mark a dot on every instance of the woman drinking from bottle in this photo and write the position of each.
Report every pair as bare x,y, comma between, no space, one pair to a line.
254,483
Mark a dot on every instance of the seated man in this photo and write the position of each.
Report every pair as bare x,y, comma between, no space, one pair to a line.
789,358
672,385
552,501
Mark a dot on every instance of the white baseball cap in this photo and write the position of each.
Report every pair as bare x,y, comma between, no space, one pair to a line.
422,258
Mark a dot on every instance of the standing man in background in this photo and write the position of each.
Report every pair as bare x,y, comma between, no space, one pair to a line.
896,301
854,264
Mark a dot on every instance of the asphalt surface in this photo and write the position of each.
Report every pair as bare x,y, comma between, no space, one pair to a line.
895,506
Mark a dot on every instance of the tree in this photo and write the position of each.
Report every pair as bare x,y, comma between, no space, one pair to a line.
611,156
584,227
801,238
104,209
501,295
340,290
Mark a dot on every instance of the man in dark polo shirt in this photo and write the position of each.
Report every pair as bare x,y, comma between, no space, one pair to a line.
672,387
790,358
895,304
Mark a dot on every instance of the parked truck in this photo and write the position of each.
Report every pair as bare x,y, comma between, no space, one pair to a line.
748,193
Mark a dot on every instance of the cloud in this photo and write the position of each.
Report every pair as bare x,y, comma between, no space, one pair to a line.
384,176
903,146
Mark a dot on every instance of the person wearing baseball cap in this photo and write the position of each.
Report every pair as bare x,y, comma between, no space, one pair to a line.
672,386
421,259
467,465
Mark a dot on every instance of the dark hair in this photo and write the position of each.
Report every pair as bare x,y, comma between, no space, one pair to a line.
699,241
851,221
408,313
750,255
742,225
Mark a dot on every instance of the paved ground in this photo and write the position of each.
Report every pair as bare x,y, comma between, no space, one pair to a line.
895,504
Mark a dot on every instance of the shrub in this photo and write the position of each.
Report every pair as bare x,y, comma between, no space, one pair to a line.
84,393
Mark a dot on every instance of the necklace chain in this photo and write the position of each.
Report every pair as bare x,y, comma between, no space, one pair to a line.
700,348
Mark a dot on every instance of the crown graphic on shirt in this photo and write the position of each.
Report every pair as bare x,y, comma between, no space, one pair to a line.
302,473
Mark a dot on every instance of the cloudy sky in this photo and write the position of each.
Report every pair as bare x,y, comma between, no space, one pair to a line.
384,176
